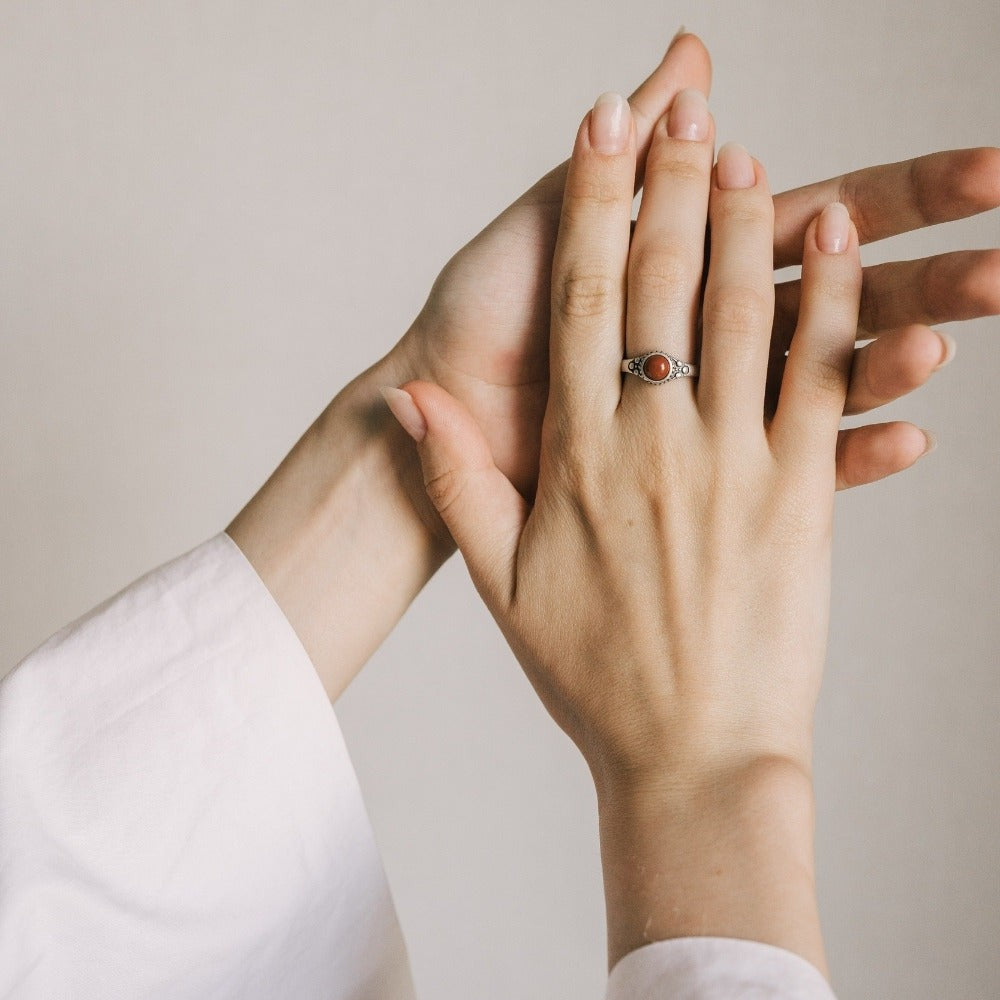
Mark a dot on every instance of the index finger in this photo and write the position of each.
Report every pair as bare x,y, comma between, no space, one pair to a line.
893,198
587,336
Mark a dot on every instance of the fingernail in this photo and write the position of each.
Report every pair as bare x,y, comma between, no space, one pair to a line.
609,124
931,442
688,117
734,169
673,41
400,402
833,228
948,348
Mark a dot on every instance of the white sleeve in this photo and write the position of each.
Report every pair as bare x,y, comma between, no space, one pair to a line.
709,968
179,817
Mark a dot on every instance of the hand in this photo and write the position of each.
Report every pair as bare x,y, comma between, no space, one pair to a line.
483,333
667,593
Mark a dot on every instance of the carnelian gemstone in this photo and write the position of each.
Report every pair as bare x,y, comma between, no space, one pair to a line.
656,367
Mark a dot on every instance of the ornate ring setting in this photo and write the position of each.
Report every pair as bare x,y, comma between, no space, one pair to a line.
658,366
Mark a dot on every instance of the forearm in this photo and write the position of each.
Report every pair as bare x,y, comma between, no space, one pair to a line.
730,856
334,532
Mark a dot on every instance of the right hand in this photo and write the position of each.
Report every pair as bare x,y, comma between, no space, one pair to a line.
667,593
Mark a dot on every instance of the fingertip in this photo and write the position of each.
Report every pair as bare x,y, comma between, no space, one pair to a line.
834,229
447,422
735,168
978,178
875,451
429,401
610,124
403,407
688,46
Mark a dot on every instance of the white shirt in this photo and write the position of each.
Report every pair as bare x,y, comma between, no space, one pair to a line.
179,818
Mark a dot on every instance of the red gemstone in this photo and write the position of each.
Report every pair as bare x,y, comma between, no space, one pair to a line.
656,367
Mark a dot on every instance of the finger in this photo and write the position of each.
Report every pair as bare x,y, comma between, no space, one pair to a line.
893,198
893,365
940,289
814,387
867,454
739,293
686,64
476,501
668,246
589,265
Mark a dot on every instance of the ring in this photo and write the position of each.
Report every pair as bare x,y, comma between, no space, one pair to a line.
658,366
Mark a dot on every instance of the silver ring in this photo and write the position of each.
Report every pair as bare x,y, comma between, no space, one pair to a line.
658,367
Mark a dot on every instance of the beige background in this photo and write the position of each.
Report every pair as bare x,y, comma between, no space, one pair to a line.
212,215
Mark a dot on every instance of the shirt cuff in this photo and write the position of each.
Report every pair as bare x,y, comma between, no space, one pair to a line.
179,817
711,968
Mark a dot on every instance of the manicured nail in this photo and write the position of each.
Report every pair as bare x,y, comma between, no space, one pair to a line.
833,229
734,169
948,348
609,124
931,442
688,117
400,402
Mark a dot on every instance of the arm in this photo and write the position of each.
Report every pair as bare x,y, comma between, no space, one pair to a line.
334,534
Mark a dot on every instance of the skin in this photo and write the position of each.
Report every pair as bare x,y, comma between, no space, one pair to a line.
344,534
349,496
685,660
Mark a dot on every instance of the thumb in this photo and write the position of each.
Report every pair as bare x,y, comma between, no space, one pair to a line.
477,502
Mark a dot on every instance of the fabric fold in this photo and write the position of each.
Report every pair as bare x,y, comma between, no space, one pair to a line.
179,817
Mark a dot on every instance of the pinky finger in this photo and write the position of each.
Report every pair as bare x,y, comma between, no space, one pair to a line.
867,454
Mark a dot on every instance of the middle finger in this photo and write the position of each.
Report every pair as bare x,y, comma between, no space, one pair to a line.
668,246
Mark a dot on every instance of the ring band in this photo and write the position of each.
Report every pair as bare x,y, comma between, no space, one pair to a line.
658,366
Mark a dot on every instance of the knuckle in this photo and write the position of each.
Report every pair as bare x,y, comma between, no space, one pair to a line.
662,272
752,210
737,309
585,293
565,445
837,287
853,192
593,188
672,169
826,375
444,488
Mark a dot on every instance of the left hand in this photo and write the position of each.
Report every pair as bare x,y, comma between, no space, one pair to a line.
483,332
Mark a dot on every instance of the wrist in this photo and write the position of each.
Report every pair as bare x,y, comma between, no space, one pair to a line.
337,533
382,447
724,853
